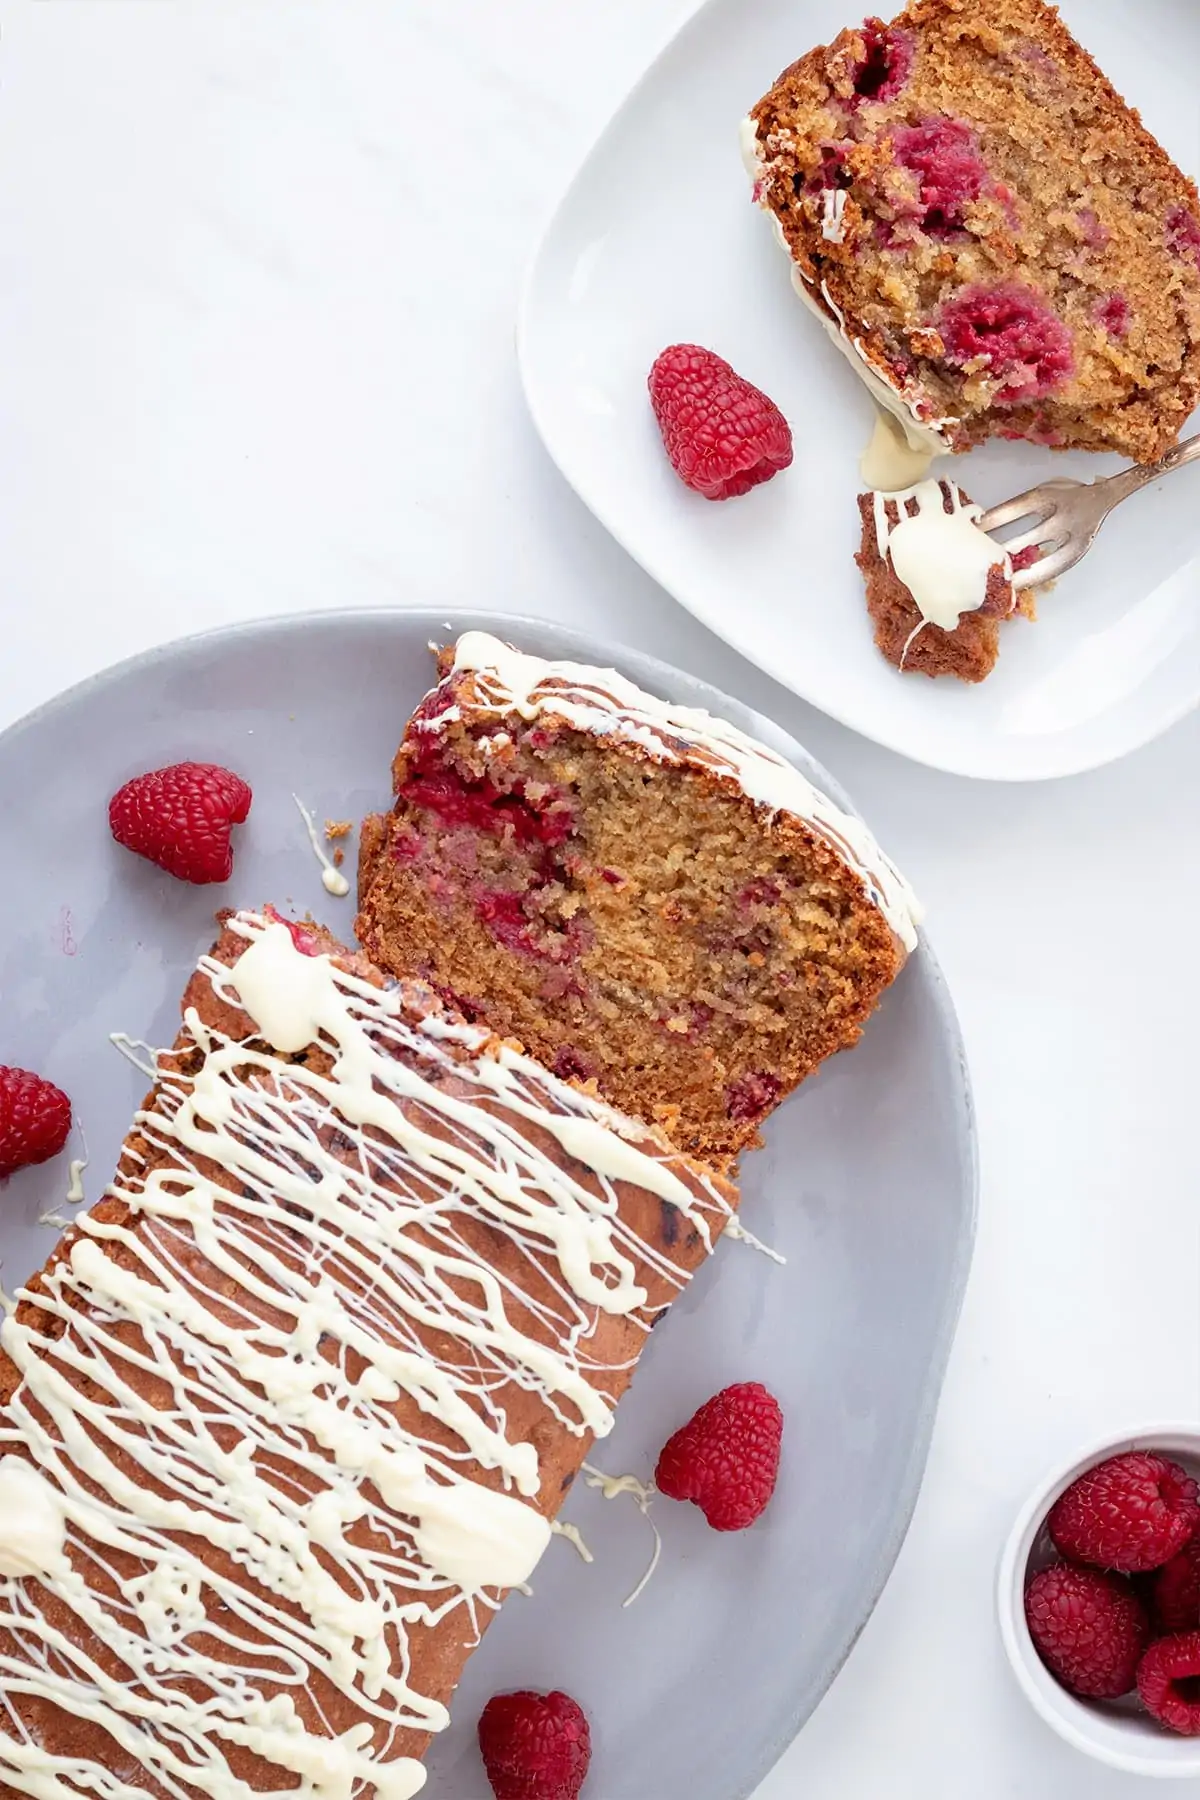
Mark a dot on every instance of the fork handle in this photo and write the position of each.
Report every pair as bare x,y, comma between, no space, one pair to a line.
1130,481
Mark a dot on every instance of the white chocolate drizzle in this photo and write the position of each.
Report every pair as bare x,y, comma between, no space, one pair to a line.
332,879
924,431
833,208
943,558
141,1055
574,1537
74,1195
611,1487
606,704
737,1231
268,1289
911,413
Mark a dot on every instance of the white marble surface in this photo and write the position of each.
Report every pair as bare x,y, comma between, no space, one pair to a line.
258,271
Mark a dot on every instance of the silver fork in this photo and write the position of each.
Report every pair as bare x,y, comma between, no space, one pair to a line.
1067,514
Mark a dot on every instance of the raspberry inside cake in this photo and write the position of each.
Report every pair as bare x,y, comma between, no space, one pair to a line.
642,896
999,243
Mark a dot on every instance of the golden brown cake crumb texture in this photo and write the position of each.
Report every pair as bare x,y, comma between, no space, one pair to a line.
435,1652
1002,236
681,949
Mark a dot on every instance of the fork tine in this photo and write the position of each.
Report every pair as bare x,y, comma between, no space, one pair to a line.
1045,533
1048,568
1035,504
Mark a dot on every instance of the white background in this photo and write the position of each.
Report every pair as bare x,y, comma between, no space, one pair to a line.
259,265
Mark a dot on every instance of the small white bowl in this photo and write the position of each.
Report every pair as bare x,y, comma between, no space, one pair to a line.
1114,1732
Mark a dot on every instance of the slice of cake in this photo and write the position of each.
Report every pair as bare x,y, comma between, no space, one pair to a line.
938,588
987,229
639,893
289,1410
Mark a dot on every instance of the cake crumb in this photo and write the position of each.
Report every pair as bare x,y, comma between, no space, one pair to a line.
338,828
988,228
732,953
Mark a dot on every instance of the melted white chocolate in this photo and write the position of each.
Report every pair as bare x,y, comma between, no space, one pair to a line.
737,1231
833,208
606,704
276,1315
332,879
33,1526
574,1537
943,558
611,1487
890,461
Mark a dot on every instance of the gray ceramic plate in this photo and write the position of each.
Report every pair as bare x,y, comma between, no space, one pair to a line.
867,1185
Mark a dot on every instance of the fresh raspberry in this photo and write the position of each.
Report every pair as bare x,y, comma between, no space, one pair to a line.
1176,1591
1169,1682
722,435
1014,335
535,1746
35,1118
180,817
1132,1512
726,1458
1089,1628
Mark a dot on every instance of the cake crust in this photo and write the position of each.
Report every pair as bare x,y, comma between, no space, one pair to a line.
263,1256
990,231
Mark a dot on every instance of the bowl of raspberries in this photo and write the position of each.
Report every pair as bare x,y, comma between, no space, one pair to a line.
1099,1598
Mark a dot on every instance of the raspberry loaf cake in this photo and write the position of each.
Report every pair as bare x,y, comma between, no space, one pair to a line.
643,896
289,1410
938,588
987,230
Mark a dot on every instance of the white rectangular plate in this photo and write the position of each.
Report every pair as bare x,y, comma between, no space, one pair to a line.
657,242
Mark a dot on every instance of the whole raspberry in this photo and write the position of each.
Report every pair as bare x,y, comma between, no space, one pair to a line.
722,435
726,1458
1176,1591
1132,1512
180,818
35,1118
1169,1682
535,1746
1089,1628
